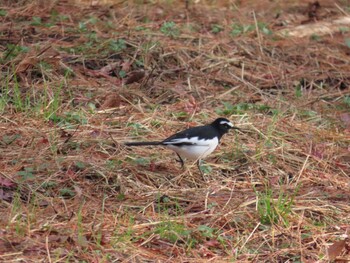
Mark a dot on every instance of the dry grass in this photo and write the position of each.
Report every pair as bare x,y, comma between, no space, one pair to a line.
79,80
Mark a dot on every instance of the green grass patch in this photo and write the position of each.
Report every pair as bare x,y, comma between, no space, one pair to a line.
272,210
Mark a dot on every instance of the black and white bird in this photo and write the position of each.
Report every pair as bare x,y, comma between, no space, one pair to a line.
194,143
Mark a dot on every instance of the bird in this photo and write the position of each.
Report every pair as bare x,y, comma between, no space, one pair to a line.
194,143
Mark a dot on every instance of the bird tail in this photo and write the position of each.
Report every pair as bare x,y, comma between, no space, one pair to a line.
142,143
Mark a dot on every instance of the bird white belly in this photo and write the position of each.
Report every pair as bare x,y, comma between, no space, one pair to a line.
199,150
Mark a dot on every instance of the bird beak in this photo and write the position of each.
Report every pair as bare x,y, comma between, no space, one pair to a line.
236,128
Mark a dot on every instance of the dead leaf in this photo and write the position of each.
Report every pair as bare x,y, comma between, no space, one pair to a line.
112,100
6,246
347,245
43,203
345,118
319,150
126,65
78,190
134,76
100,74
44,140
6,195
109,68
57,238
313,10
81,240
319,28
96,73
274,180
7,183
152,166
206,253
212,243
179,89
191,106
71,174
336,249
26,63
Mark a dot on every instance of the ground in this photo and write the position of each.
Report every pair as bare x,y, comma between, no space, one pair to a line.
78,79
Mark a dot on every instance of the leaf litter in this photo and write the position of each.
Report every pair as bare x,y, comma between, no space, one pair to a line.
80,78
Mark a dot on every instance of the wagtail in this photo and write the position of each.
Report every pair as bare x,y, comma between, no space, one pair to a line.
194,143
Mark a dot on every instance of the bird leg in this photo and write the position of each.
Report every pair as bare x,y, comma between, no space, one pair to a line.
180,161
199,166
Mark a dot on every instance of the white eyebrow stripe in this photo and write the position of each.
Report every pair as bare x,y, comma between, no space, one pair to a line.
226,122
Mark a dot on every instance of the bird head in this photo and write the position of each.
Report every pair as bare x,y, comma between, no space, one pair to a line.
223,125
